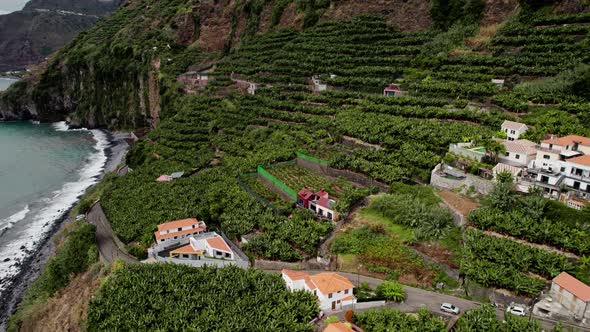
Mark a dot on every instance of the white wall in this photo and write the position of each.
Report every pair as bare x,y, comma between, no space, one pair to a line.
326,301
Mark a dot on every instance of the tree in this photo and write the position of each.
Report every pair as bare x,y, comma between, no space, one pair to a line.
493,149
391,291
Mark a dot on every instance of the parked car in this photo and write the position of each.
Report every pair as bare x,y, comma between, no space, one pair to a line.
447,307
516,310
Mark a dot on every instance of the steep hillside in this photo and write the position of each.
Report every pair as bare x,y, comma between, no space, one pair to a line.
44,26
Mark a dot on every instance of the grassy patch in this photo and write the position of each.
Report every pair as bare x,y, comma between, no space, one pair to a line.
372,216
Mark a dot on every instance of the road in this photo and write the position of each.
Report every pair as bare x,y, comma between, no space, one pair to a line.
112,248
109,245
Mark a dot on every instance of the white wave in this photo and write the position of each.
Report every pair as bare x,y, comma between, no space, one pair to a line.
60,126
60,202
13,219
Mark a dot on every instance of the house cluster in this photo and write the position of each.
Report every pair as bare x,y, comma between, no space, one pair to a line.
558,165
319,203
567,298
187,240
171,177
332,290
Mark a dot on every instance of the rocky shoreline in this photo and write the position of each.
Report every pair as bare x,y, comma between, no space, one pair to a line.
36,259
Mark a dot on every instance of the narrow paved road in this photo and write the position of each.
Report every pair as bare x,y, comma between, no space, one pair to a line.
109,245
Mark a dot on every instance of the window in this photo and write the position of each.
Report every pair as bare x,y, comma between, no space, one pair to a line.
162,240
513,132
546,156
562,169
330,295
193,226
507,154
576,185
176,237
179,229
339,292
346,291
551,146
517,156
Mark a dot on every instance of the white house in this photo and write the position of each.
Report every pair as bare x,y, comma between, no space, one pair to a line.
318,84
572,294
577,176
178,231
332,290
519,152
513,129
210,245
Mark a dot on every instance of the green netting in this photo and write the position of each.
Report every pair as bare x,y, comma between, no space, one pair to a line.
312,159
277,183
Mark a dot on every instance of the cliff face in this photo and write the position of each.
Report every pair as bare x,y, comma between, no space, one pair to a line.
122,72
43,26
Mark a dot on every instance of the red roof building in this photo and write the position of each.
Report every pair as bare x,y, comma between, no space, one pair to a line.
179,229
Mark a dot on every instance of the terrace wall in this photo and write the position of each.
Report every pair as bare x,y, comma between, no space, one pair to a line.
357,178
438,180
204,261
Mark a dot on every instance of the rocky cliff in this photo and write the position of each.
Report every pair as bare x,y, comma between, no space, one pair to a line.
43,26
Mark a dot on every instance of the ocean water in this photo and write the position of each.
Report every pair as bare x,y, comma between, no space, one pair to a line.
5,82
44,168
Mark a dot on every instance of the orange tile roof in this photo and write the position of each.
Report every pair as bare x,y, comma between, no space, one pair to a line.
330,282
218,243
173,234
298,275
338,327
568,140
188,249
177,224
582,160
573,285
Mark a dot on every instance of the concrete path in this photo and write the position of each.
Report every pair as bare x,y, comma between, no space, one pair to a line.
109,245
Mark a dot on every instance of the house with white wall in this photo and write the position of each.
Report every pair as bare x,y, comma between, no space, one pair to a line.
519,152
332,290
210,245
571,293
513,130
178,231
577,176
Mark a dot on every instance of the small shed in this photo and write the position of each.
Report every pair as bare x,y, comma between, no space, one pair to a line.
252,87
499,82
393,90
318,84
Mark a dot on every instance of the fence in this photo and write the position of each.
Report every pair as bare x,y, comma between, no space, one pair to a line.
312,159
276,183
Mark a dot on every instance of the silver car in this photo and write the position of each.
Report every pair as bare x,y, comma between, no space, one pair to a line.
451,309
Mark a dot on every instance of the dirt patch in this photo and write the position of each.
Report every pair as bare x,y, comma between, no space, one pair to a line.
462,204
186,26
437,252
497,11
69,307
265,17
290,18
410,15
215,24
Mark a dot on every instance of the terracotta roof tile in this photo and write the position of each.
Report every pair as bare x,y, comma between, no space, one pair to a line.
298,275
338,327
177,224
521,146
188,249
568,140
573,285
330,282
582,160
173,234
218,243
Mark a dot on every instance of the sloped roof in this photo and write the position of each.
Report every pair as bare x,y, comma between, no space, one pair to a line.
338,327
573,285
513,125
521,146
164,178
305,193
582,160
218,243
188,249
568,140
177,224
330,282
299,275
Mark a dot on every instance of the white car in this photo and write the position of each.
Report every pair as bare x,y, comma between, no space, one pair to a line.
516,310
447,307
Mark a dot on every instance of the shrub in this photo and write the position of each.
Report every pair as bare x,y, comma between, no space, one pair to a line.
391,291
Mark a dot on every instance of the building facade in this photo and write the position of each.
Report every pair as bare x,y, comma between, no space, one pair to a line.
572,294
178,231
513,130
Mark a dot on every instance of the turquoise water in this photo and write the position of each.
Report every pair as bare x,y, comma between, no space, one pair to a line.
44,168
5,83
